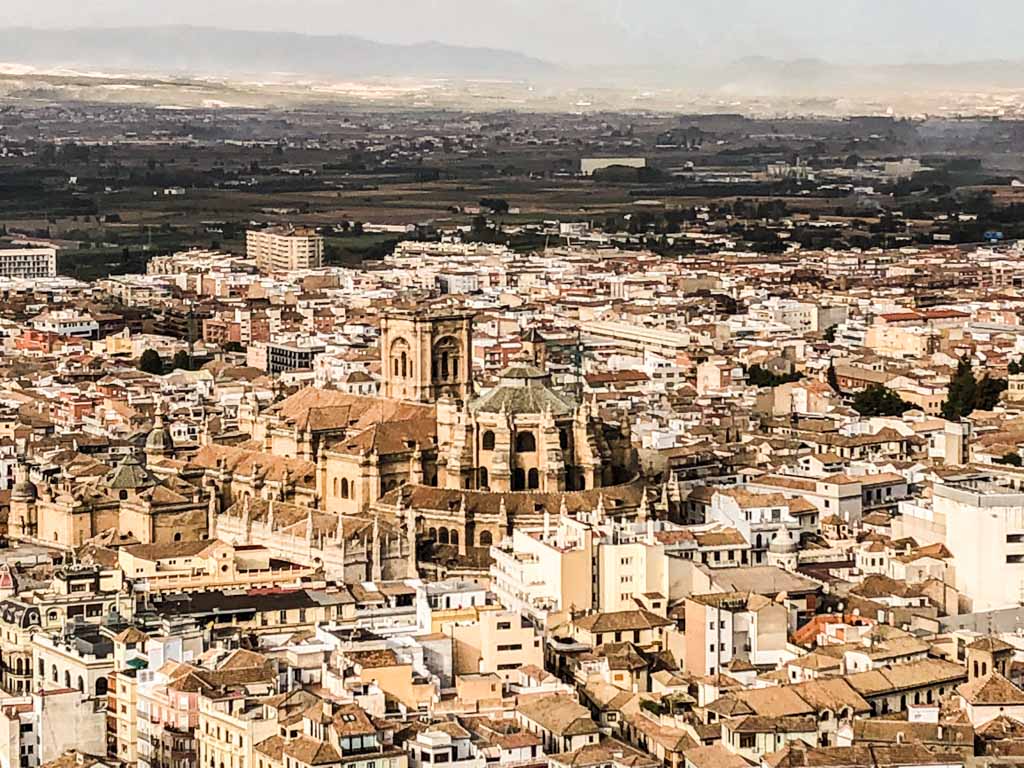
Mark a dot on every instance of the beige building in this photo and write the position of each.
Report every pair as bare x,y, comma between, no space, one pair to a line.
284,249
205,564
562,723
232,716
496,641
640,627
722,627
898,341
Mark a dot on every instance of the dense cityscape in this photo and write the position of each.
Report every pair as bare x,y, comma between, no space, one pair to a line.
388,432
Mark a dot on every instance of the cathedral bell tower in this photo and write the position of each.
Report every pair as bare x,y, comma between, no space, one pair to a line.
427,355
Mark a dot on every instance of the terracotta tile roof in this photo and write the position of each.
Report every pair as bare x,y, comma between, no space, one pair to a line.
991,690
559,714
621,621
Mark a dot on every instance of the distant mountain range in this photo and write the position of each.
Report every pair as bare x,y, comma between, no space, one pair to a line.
206,51
189,50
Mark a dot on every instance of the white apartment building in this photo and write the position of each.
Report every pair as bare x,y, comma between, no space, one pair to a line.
285,249
538,572
984,529
27,261
66,322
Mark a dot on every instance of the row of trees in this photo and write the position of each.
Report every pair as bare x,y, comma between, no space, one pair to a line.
966,394
150,361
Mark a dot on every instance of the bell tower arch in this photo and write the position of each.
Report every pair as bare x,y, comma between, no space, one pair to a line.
427,355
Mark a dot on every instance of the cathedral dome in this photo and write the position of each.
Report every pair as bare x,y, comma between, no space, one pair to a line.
159,441
23,490
524,389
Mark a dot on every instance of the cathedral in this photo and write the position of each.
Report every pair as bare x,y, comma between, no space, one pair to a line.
364,485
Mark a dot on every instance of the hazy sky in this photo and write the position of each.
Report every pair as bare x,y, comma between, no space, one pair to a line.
601,32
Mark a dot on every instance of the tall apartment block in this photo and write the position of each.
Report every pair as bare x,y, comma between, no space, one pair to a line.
27,261
283,249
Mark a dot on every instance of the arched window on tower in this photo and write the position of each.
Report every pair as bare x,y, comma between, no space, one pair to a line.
344,488
400,361
446,359
487,441
533,479
484,479
485,539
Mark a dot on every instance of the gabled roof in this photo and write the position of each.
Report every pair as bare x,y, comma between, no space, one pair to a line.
621,621
991,690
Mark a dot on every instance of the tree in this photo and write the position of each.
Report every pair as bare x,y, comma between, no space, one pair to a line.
832,378
1013,459
762,377
989,391
967,394
963,392
877,400
1013,368
181,360
151,362
496,204
830,334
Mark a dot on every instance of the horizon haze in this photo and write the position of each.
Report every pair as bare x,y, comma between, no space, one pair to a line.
603,35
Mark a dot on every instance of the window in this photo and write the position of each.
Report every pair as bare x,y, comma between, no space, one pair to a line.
533,479
748,741
518,479
511,647
487,441
525,442
486,539
504,625
344,488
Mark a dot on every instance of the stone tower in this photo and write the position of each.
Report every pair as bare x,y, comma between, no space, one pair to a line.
535,348
427,355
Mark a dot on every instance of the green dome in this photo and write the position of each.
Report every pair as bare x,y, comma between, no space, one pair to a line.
524,389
